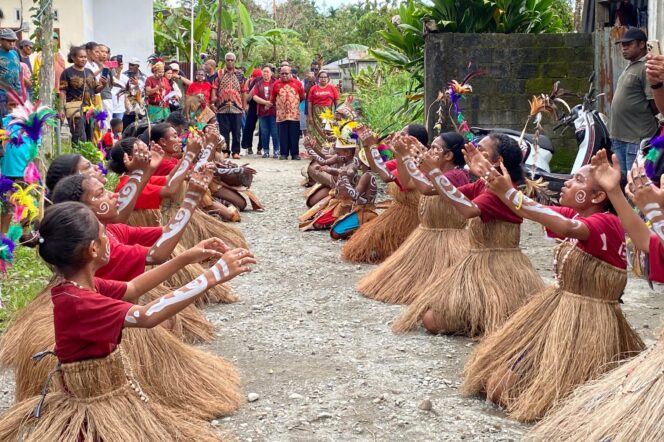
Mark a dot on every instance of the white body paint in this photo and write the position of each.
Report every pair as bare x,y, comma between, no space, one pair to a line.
184,166
414,172
450,191
204,157
129,190
580,197
379,161
532,206
104,208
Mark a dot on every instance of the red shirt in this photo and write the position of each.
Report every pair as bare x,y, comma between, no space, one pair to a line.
88,324
166,166
129,248
606,240
491,207
110,138
150,197
263,89
203,88
157,98
323,96
656,252
286,97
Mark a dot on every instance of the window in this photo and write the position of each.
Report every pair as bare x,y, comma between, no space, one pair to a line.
17,15
56,16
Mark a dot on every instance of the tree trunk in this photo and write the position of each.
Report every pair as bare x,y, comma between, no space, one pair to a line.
578,15
46,77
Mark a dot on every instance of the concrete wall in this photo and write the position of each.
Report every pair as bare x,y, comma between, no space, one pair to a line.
519,66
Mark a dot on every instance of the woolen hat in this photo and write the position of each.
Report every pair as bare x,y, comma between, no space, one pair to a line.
633,34
25,43
8,34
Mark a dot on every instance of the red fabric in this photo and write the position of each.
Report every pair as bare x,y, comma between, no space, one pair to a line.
166,166
156,99
150,197
491,207
286,96
325,220
323,96
392,167
457,177
656,252
607,236
203,88
107,139
88,324
259,91
129,249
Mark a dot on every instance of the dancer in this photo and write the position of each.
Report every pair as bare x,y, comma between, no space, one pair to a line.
439,241
375,241
495,278
93,397
625,404
568,333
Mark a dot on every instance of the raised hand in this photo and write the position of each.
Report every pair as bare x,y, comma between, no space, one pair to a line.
156,155
140,157
194,144
207,249
236,262
497,183
605,174
476,161
429,161
645,193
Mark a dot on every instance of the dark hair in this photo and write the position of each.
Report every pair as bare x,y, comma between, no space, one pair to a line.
66,230
124,146
420,132
455,143
159,131
509,150
73,51
115,122
268,66
69,189
91,45
62,166
176,118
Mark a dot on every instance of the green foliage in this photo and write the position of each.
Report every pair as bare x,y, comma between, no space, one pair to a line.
25,279
380,95
88,150
112,179
402,42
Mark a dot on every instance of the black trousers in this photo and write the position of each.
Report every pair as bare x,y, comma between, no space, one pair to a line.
289,138
230,124
250,127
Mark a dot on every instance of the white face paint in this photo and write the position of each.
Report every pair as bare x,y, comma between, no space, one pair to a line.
580,197
129,190
448,188
104,207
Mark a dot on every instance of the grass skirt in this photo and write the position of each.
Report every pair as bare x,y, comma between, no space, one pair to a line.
171,373
100,405
376,240
478,294
144,218
439,242
561,338
624,405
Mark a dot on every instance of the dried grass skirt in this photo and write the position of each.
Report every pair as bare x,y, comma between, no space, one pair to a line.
561,338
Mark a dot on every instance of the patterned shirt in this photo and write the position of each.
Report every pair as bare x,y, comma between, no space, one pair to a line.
286,97
10,71
229,86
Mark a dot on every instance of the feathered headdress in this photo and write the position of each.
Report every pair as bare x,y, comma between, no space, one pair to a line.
26,202
455,93
7,247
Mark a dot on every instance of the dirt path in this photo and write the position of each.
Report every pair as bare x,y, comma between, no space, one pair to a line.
322,360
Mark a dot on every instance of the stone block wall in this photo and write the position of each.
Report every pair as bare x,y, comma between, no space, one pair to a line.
519,66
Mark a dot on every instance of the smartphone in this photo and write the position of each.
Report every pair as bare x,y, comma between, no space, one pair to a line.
105,72
653,47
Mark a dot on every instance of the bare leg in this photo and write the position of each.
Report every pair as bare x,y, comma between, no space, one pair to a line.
232,197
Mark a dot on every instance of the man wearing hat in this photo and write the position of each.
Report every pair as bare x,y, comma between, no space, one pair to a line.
25,50
633,109
133,80
10,67
182,82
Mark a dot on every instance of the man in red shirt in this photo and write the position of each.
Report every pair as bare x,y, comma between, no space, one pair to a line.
229,92
266,112
286,96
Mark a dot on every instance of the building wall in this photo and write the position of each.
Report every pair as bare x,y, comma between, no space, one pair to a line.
124,25
519,66
656,21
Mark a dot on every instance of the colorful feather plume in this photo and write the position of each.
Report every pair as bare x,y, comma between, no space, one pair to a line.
31,174
385,152
656,146
7,247
25,201
32,118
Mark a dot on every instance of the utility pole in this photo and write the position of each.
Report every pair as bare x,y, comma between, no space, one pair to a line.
219,12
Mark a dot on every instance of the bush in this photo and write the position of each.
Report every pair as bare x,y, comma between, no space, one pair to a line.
25,279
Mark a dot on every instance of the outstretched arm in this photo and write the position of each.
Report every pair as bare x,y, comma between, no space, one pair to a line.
141,166
231,264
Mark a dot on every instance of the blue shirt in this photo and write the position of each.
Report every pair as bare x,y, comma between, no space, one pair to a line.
10,71
15,161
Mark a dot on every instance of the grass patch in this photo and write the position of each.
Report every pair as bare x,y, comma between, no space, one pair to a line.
24,280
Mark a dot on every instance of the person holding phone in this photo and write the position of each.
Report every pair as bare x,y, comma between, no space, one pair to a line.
655,74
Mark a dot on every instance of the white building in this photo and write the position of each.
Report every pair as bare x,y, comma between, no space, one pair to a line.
123,25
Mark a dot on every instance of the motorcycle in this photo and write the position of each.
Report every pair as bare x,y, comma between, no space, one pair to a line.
591,131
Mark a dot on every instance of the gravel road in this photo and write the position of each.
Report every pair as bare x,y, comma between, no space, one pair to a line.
320,363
